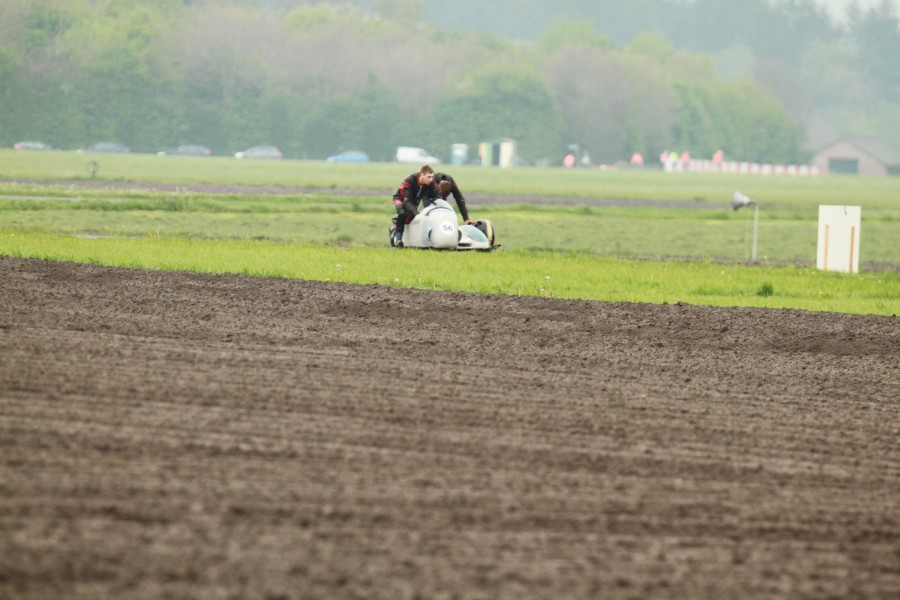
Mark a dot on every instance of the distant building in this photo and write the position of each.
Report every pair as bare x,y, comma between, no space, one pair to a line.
858,156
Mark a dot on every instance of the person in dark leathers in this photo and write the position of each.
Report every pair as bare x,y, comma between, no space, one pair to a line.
446,186
415,188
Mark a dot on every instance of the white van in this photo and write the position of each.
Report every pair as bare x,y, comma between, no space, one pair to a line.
412,155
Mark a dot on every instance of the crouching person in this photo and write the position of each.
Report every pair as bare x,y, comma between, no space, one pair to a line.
446,186
415,188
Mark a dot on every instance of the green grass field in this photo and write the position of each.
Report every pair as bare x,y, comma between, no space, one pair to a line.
550,274
873,193
641,252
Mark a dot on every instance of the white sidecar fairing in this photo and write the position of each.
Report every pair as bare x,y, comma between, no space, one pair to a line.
436,228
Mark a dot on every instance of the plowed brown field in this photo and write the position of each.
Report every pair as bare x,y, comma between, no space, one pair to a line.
181,435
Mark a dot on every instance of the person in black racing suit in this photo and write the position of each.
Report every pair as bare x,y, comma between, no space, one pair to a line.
446,186
415,188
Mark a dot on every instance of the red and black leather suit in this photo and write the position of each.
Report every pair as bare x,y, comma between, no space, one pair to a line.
408,196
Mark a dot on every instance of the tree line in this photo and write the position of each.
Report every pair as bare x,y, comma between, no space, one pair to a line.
318,78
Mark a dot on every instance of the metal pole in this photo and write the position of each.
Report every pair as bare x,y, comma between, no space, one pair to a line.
755,231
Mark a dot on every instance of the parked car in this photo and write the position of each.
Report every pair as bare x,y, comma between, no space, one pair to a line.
31,145
107,147
413,155
349,156
186,150
260,152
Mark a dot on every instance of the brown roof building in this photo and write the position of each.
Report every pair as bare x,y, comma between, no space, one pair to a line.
858,156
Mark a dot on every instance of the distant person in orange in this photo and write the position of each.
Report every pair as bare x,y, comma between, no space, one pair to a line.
637,160
718,158
569,161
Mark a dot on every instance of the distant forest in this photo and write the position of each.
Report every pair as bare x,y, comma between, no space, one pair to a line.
765,82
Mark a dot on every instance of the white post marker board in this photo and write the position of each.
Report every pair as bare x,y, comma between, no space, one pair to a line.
838,248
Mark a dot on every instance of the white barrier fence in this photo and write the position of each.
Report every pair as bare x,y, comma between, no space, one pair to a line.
708,166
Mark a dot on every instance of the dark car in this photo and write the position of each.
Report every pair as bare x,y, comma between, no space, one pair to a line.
260,152
31,145
186,150
107,147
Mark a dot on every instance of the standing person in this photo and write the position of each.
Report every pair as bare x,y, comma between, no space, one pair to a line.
413,189
674,161
637,160
446,186
718,158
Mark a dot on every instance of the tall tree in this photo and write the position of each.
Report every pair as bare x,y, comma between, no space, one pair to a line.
499,102
401,11
614,104
875,36
366,121
739,118
15,100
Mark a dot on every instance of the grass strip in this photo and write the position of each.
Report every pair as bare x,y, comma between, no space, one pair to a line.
547,274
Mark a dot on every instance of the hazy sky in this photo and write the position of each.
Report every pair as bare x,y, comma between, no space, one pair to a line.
837,7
